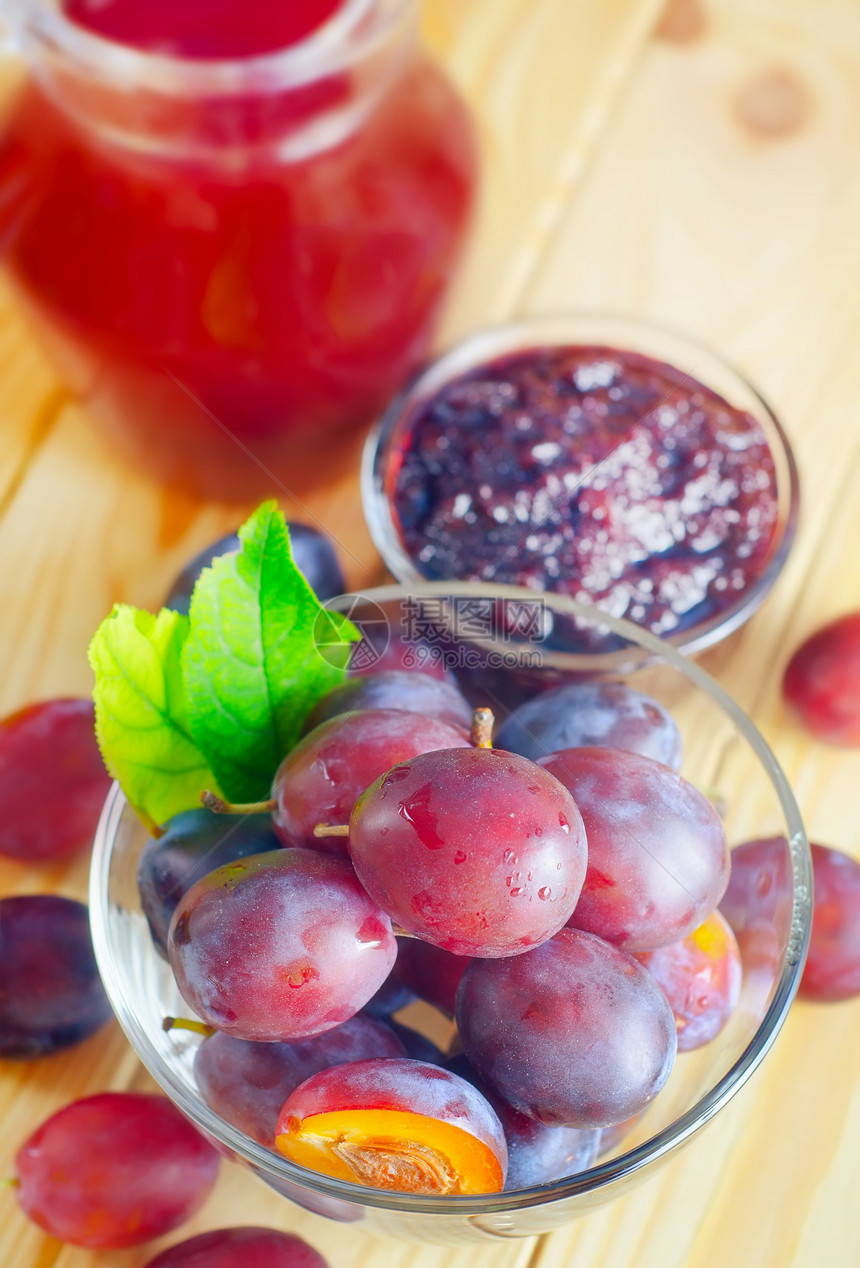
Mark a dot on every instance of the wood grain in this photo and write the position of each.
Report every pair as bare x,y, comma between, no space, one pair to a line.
542,80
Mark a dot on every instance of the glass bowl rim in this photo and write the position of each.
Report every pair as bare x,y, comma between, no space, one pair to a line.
553,329
601,1174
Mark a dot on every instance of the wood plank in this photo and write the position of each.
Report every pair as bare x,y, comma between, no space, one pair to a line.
542,80
32,396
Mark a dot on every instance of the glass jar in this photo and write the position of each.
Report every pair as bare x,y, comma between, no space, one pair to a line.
235,262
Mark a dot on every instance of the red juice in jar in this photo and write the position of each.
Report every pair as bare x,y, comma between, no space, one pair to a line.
203,28
236,224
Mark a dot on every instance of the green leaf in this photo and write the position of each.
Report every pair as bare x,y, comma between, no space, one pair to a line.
253,665
141,720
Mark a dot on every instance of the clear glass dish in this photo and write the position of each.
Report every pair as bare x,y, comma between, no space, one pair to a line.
459,623
383,447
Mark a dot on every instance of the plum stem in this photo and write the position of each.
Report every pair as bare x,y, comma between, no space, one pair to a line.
187,1023
154,829
331,830
481,733
219,806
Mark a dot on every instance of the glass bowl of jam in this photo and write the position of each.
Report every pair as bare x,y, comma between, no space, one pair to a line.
594,456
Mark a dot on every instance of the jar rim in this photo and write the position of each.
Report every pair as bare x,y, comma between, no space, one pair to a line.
347,36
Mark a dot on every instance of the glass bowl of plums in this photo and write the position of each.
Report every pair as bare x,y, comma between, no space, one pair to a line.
427,919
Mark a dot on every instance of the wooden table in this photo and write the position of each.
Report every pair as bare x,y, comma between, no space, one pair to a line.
696,165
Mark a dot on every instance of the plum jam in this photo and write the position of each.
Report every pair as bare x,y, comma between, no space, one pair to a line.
233,260
599,473
202,28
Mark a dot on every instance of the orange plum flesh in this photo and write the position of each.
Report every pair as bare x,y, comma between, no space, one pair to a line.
399,1125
